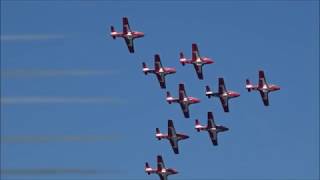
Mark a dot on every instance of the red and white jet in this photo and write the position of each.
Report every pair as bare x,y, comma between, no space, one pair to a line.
211,127
162,172
223,94
172,136
183,100
196,60
263,87
126,34
158,70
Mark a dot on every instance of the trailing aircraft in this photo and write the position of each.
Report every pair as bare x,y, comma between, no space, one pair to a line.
197,61
211,127
126,34
172,136
158,70
183,100
161,170
223,94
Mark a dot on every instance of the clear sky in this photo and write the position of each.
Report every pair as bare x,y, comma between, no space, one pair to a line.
76,105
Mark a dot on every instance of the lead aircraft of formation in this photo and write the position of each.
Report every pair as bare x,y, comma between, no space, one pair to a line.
263,87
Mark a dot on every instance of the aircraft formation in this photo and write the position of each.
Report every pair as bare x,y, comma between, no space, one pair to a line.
184,100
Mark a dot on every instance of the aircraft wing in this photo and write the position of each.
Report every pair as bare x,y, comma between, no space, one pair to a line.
195,52
225,104
171,129
129,43
185,110
265,98
262,79
157,62
160,162
174,145
163,177
211,123
161,80
182,92
213,137
125,24
198,71
222,86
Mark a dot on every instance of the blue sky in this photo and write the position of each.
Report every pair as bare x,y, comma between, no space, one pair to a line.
76,105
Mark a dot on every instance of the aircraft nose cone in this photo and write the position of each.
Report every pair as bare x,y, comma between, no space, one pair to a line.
196,100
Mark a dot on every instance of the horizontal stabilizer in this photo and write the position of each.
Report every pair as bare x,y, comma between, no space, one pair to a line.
248,85
112,31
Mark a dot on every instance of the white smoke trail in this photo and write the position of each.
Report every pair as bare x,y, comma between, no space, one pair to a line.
65,138
30,37
55,171
59,100
54,72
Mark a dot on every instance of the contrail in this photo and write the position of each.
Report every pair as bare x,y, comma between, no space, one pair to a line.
30,37
59,100
56,171
49,139
55,72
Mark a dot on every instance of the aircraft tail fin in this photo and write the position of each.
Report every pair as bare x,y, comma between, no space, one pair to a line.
208,92
158,133
183,60
147,166
248,85
197,124
169,97
112,31
145,68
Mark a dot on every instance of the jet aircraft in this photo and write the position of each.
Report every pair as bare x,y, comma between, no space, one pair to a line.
183,100
172,136
126,34
158,70
161,170
196,60
223,94
263,87
211,127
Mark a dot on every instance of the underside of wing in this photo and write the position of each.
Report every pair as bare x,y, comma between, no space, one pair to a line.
163,177
225,104
199,71
162,81
222,86
174,145
265,98
129,43
262,79
160,162
195,52
182,92
213,137
125,24
157,62
185,110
